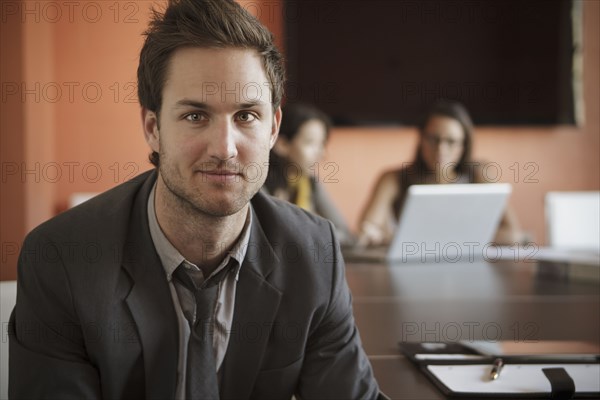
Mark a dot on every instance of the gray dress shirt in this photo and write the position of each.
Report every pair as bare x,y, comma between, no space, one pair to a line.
183,299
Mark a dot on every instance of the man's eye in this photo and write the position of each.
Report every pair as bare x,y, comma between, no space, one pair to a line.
246,117
194,117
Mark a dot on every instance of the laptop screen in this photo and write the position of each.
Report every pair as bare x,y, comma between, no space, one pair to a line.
453,222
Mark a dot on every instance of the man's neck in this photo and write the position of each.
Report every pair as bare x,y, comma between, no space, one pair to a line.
200,238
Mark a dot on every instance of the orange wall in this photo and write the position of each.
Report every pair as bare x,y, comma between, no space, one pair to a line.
98,132
12,148
91,135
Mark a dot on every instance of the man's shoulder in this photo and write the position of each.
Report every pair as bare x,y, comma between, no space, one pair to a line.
108,209
278,216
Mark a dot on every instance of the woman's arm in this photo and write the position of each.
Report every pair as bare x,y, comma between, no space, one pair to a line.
374,226
508,232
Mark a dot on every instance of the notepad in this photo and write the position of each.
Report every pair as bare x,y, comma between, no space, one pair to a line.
447,357
515,378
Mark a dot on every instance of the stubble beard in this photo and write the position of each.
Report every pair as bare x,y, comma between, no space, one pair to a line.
190,201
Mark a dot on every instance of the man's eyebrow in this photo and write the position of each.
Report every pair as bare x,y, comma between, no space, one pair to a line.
203,106
192,103
253,103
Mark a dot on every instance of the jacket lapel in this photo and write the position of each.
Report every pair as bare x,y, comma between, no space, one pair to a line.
150,302
256,304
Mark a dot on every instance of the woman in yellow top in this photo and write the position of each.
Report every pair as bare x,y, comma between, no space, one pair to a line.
294,159
443,156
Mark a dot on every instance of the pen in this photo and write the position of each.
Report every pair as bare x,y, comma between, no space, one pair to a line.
496,369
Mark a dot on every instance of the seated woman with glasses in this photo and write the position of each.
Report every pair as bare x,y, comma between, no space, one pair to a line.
443,156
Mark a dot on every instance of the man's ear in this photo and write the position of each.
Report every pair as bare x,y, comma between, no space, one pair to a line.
276,124
150,124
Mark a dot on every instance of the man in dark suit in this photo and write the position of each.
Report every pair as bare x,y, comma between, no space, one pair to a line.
185,282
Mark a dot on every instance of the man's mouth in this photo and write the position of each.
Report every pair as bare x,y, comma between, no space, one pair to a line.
220,175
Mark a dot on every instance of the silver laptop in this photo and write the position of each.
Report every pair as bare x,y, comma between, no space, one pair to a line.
444,223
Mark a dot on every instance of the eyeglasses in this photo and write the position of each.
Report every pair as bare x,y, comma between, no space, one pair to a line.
435,140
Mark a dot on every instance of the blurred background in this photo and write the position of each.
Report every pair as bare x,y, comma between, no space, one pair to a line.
70,121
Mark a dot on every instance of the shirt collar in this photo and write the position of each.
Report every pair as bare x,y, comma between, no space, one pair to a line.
171,258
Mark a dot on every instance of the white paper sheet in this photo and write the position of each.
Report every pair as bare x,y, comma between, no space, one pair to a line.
515,378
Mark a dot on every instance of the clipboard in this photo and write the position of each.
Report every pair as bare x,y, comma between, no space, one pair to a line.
460,371
516,381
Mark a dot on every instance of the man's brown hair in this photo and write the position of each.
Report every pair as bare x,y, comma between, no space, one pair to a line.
206,24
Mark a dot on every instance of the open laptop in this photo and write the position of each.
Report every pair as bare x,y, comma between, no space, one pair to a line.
443,223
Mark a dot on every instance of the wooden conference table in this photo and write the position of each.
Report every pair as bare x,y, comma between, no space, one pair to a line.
478,300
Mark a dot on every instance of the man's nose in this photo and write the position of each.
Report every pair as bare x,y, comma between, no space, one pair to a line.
223,144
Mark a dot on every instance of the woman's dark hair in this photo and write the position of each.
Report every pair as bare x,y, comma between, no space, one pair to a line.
204,24
296,114
458,112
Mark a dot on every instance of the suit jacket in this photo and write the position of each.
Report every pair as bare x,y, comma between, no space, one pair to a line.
95,319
